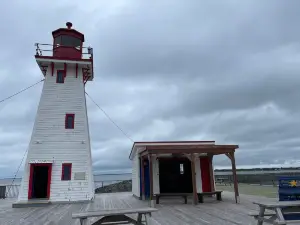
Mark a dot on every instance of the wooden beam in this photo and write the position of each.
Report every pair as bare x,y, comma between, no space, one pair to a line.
142,178
195,196
228,155
144,153
188,156
235,181
187,151
185,147
150,175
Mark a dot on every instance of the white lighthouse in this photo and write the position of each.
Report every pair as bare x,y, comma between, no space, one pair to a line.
58,167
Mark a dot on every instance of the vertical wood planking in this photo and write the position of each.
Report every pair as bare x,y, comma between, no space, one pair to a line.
195,196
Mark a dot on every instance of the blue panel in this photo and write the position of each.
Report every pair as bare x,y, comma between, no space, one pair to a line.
140,179
147,179
289,190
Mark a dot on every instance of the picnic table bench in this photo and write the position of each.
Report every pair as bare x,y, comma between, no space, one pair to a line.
217,193
116,216
183,195
278,210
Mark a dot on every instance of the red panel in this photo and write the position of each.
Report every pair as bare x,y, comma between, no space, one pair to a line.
68,52
49,180
205,174
30,181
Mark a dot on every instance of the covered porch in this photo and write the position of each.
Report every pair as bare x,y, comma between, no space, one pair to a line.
193,161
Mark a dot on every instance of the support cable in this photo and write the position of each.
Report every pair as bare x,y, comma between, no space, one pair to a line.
111,120
19,92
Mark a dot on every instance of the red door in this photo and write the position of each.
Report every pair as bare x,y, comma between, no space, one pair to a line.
205,174
43,175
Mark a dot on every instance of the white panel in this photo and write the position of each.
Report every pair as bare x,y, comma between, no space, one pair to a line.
198,175
155,171
136,176
51,141
213,172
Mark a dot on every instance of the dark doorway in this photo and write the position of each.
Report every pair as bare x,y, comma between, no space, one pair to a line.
175,175
39,183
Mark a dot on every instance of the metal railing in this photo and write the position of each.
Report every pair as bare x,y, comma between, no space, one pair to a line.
100,181
47,50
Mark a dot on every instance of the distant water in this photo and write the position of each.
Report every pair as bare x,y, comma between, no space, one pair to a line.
100,179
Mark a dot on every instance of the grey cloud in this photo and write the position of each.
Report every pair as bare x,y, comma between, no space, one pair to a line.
224,71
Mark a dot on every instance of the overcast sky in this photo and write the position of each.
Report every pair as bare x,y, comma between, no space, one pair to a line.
169,70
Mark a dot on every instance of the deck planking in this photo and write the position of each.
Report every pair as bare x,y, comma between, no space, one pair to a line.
170,211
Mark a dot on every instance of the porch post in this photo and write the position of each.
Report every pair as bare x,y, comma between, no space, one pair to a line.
150,175
142,178
235,181
195,196
211,172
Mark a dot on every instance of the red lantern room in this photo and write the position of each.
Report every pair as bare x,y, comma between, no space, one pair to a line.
67,51
67,42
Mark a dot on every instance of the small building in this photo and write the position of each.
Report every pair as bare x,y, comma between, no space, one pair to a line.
58,167
177,167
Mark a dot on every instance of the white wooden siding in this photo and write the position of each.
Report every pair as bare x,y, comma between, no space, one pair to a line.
213,172
155,172
51,141
198,175
136,176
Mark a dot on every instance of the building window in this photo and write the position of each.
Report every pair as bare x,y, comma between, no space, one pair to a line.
66,171
60,78
70,120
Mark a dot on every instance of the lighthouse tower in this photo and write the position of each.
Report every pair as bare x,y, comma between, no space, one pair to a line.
58,167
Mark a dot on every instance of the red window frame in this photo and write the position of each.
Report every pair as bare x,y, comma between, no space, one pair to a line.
64,72
66,121
62,171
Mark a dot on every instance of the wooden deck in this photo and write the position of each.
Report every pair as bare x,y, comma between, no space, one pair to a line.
171,211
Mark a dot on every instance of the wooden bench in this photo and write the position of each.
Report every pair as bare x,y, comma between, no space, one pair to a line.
217,193
183,195
116,216
278,210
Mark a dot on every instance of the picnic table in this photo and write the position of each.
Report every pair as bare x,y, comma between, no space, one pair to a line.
116,216
278,210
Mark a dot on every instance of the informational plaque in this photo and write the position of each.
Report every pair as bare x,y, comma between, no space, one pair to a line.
79,176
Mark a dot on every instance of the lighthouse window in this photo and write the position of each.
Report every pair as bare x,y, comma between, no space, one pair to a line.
66,171
70,41
70,119
60,76
66,40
